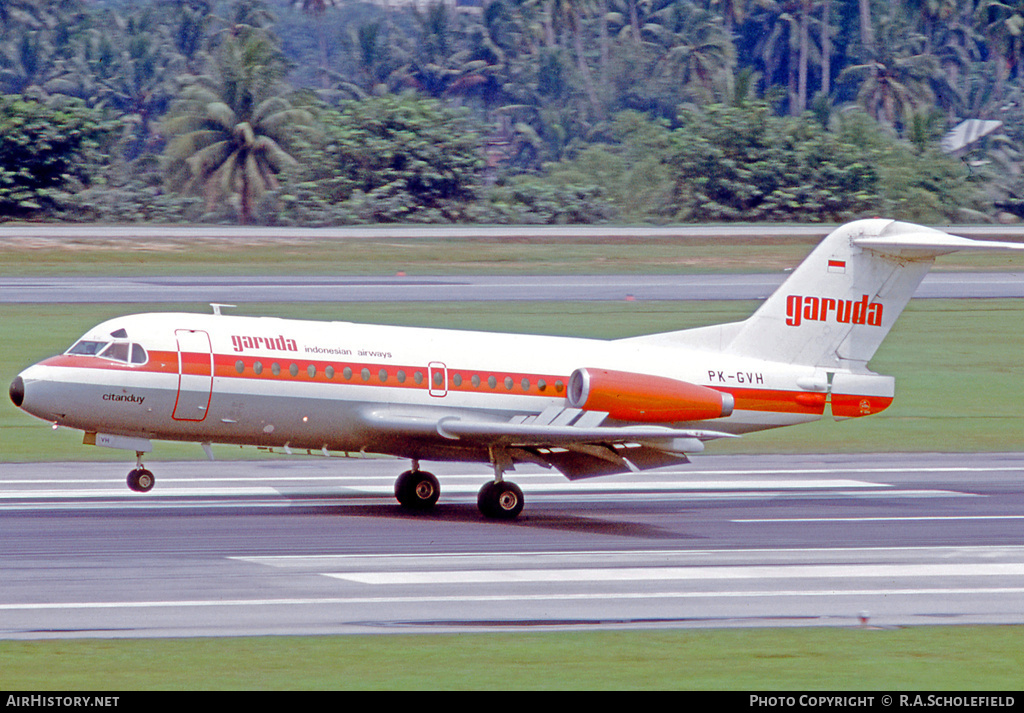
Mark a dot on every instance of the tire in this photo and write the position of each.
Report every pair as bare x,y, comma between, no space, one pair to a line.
500,501
141,480
417,490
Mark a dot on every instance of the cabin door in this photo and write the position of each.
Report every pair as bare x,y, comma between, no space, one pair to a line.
195,375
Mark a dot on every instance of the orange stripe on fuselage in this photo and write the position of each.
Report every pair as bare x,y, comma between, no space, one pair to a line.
543,385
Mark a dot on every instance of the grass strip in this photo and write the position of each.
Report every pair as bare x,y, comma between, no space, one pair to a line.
950,658
427,256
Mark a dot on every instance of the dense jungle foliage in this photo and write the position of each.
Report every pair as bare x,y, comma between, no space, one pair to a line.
333,112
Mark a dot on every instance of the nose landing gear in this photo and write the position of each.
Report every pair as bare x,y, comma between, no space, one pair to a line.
140,480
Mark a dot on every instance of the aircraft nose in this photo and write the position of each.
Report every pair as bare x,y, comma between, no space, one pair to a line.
17,391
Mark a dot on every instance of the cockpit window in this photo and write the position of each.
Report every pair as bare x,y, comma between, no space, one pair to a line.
139,355
124,352
87,348
118,351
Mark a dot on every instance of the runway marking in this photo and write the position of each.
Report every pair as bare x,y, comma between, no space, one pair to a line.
651,574
688,475
607,559
883,519
504,597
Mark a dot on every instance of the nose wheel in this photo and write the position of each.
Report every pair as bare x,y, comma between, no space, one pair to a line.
141,480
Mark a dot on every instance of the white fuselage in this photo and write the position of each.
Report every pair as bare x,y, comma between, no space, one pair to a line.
310,385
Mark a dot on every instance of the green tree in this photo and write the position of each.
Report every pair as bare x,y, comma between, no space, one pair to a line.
43,154
229,131
899,80
316,9
397,158
743,163
696,51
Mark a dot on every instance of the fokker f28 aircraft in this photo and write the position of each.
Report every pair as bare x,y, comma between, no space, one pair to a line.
585,407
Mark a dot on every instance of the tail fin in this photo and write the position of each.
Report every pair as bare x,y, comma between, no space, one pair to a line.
840,303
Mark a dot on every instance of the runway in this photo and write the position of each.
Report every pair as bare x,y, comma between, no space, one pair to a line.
241,290
319,546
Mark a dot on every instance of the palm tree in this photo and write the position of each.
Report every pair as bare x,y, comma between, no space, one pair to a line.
696,51
570,14
898,82
228,132
316,10
1002,24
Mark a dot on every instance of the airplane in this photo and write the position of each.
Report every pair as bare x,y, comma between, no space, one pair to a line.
585,407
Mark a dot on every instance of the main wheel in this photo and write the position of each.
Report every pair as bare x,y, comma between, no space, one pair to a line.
417,489
500,500
141,480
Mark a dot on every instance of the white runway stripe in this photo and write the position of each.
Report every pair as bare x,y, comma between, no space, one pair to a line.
636,574
504,597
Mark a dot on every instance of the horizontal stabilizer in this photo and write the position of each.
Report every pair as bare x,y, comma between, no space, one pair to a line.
931,243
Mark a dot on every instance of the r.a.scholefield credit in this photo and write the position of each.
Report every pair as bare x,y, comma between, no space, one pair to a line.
880,700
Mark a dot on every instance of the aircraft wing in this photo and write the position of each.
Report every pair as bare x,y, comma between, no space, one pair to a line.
569,439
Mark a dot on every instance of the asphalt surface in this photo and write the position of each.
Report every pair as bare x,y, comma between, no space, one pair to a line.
314,546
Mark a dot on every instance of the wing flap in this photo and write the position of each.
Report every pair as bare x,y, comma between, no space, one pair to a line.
591,461
526,434
573,443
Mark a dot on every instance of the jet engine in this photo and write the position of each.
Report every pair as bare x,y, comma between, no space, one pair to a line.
641,397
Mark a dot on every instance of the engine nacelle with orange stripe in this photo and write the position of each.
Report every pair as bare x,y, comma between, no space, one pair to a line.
628,396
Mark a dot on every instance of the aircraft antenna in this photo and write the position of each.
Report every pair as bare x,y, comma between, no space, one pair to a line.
217,307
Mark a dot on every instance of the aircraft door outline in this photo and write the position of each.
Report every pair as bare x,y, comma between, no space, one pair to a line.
195,375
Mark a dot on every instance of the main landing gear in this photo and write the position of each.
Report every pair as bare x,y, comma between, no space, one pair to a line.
417,489
140,480
499,499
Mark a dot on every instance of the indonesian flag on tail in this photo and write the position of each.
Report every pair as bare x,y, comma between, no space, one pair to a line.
837,266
